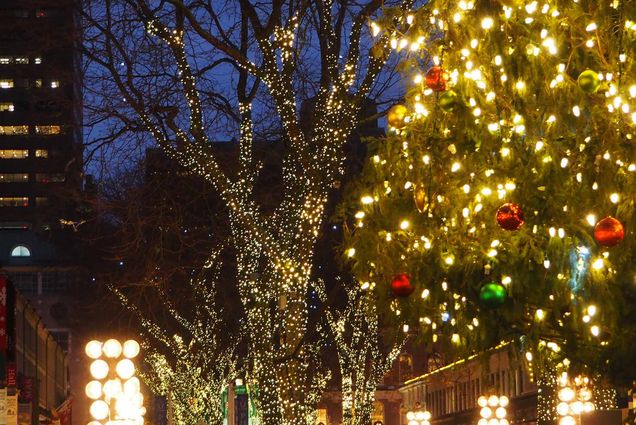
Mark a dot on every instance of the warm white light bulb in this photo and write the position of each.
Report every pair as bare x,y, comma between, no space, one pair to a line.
112,348
93,349
131,349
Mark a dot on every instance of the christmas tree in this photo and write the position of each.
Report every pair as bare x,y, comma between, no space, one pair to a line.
500,207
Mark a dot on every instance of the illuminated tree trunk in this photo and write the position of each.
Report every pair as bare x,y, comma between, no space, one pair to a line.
265,46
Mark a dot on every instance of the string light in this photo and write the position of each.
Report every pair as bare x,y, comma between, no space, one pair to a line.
530,134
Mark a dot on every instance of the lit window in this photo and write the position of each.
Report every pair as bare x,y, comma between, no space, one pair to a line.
38,60
41,201
20,251
22,61
13,130
41,153
14,178
7,107
38,83
14,153
5,61
50,178
6,84
55,84
21,201
47,130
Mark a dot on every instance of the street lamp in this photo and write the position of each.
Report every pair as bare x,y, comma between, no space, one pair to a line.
574,399
418,416
115,391
493,410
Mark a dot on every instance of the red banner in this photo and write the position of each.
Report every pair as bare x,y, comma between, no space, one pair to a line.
12,374
3,314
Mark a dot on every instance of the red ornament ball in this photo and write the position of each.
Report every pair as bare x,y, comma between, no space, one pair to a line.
609,232
510,216
436,78
401,285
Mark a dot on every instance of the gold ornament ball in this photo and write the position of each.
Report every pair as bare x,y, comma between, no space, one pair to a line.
396,116
448,101
589,81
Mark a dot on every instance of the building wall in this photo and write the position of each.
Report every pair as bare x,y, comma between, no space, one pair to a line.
40,358
450,393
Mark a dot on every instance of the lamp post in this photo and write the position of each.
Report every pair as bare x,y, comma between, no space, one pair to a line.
493,410
574,399
115,391
418,416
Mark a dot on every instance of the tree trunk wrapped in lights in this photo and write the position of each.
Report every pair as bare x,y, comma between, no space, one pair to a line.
362,360
194,366
505,193
154,69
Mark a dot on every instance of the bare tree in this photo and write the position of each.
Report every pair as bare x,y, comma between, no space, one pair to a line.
195,363
362,359
176,70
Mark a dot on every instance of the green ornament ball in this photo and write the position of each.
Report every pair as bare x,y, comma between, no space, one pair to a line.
589,81
448,100
493,295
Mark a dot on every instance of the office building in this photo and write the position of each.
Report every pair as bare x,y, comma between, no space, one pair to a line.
40,112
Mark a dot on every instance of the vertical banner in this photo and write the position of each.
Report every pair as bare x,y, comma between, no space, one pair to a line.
3,315
3,406
12,409
12,375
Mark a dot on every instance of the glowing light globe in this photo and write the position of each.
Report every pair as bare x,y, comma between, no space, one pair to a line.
493,400
93,390
99,369
567,420
132,386
131,349
493,421
125,408
500,412
563,408
410,416
419,416
125,368
504,401
566,394
94,423
93,349
482,421
427,415
112,388
99,410
485,412
482,401
112,348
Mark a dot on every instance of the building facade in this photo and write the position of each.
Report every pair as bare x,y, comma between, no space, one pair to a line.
451,393
36,368
40,112
40,178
